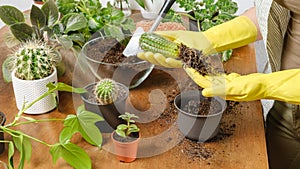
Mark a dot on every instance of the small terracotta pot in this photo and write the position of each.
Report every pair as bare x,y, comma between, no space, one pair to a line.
126,151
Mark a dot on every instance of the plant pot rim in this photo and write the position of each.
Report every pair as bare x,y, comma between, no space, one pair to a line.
4,118
93,103
99,62
220,100
31,81
125,143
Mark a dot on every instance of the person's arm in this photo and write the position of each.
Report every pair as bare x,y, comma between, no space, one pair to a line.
251,14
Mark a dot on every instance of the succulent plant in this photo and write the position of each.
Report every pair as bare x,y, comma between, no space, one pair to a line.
33,60
106,91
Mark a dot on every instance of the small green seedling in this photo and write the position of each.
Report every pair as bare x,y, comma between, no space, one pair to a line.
124,130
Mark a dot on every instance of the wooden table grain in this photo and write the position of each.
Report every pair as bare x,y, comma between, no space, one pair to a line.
244,149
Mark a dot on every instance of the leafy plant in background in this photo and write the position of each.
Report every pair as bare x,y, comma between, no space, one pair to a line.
209,13
46,24
83,122
109,20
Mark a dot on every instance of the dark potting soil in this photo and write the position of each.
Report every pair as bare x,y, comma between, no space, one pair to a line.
204,64
202,107
110,51
130,138
113,64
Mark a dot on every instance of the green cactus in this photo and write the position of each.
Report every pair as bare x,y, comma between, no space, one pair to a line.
157,44
106,91
34,60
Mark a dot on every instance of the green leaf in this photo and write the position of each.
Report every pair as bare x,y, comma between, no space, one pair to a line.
7,68
22,31
50,10
74,22
37,17
226,55
66,134
66,6
113,31
64,87
18,140
11,152
65,41
141,3
87,126
72,154
84,123
11,15
121,133
128,24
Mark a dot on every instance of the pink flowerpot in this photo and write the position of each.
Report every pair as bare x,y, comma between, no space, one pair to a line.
126,151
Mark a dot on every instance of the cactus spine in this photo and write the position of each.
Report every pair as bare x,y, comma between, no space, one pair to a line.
106,91
34,60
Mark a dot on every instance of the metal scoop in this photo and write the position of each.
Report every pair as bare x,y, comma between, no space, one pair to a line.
132,47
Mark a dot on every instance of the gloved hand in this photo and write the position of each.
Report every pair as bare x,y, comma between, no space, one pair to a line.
232,34
283,85
159,59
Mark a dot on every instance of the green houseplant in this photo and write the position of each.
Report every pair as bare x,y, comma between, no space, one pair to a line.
83,122
108,99
126,138
32,66
108,21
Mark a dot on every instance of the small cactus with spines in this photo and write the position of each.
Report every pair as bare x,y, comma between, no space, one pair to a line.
34,60
106,91
154,43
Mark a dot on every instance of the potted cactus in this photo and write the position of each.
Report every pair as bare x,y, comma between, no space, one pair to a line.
33,66
126,138
108,99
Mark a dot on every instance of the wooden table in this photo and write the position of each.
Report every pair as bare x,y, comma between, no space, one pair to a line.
245,148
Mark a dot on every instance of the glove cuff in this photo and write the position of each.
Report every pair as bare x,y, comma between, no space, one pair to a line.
232,34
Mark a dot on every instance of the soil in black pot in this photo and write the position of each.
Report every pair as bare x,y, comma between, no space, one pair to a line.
202,107
113,64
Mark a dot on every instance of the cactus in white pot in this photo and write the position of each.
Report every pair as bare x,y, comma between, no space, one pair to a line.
33,66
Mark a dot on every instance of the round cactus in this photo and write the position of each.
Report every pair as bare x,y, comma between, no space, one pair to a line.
34,60
106,91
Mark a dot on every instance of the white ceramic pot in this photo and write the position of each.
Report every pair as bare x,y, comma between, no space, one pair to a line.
29,90
152,9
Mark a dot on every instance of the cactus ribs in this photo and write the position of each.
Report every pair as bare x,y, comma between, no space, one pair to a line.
190,57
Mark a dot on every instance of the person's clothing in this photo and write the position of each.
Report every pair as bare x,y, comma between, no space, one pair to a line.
283,136
281,33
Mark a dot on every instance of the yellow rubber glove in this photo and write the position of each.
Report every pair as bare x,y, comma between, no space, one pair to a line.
159,59
282,85
232,34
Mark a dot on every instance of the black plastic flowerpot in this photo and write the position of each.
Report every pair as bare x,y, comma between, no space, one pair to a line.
110,112
2,122
199,117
